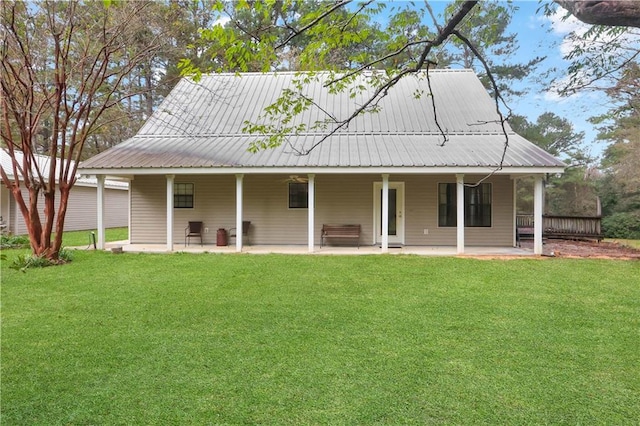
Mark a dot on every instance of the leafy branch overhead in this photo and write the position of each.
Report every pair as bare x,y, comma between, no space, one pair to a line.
351,39
406,47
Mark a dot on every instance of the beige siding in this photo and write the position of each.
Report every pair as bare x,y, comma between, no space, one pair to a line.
116,207
214,204
422,213
81,209
148,217
346,200
266,205
5,207
339,199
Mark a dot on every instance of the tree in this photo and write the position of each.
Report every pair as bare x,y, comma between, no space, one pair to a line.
573,193
63,67
620,187
596,54
493,43
406,46
330,27
555,135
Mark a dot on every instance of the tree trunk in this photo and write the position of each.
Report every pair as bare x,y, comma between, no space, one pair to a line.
62,213
49,212
30,215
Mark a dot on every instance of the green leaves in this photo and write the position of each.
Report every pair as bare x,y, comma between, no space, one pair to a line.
348,40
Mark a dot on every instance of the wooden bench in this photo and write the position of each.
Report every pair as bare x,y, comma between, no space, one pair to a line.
340,231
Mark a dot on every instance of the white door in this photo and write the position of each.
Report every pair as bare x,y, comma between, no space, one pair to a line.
396,212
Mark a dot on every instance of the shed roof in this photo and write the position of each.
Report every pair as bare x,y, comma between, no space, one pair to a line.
200,125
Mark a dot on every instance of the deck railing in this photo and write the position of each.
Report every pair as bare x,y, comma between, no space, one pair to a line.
524,221
563,226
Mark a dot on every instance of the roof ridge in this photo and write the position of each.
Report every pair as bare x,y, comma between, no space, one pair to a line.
367,133
271,73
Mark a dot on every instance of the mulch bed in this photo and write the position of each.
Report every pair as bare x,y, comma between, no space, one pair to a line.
590,249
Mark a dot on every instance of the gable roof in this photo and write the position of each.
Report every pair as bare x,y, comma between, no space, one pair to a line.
199,126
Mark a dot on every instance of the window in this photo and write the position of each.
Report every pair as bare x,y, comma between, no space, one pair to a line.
182,195
477,205
298,195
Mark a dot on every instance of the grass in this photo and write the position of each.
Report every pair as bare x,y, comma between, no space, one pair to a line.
274,339
83,238
79,238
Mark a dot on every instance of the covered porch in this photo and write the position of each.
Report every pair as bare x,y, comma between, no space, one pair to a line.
379,211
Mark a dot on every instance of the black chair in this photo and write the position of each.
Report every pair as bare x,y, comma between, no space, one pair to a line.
246,224
193,230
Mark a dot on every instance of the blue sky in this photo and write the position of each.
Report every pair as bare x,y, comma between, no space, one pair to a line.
542,36
539,35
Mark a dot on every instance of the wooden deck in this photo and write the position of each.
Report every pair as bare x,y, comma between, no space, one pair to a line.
565,227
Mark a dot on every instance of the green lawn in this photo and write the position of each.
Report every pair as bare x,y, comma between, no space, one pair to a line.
83,238
274,339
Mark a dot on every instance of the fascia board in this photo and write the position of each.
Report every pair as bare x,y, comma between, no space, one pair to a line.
320,170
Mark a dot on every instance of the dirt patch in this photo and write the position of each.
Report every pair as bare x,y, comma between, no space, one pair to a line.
590,249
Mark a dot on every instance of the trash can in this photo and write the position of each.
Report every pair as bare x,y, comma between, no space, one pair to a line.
221,237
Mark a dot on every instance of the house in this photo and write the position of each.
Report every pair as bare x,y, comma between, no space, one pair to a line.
83,198
387,171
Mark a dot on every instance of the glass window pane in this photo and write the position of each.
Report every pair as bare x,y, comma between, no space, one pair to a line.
447,204
477,205
392,222
183,195
298,195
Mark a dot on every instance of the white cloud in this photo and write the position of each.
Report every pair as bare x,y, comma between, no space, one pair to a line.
561,24
552,94
222,21
573,32
570,28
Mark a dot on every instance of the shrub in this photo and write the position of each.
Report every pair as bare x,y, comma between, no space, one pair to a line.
13,241
65,255
25,261
622,225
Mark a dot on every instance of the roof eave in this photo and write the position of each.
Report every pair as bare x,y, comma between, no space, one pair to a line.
506,170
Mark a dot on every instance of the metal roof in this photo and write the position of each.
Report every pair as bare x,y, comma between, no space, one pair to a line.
199,125
43,164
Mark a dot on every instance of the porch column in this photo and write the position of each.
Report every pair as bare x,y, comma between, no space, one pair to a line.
170,179
385,213
460,213
100,198
239,178
311,211
515,212
538,201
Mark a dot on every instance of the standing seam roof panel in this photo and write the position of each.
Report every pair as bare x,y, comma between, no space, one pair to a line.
201,125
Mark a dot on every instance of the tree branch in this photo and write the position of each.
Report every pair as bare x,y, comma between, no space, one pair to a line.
314,22
383,89
496,94
624,13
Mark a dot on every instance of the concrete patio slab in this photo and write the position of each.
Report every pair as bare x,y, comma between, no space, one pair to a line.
326,250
